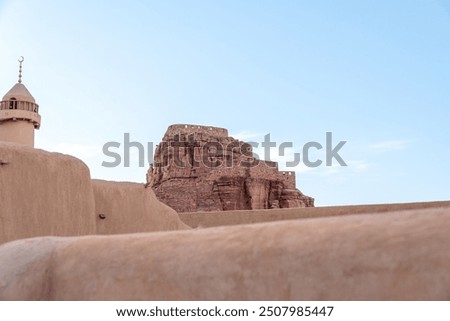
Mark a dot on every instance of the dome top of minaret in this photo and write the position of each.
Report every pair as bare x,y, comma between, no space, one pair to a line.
19,91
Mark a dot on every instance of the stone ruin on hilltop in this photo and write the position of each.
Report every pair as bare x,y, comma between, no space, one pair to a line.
201,168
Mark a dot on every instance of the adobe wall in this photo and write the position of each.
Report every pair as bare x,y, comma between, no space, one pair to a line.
125,207
219,218
20,132
391,256
43,193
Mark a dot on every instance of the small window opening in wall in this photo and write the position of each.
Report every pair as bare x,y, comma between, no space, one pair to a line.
13,103
102,216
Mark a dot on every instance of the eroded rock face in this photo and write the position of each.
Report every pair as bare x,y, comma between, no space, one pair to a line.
201,168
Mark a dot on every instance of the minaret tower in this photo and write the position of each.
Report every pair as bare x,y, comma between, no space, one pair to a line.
19,114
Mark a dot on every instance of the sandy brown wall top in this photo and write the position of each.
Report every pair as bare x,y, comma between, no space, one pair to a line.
125,207
211,219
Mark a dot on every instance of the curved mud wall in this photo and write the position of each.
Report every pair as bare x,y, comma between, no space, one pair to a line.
51,194
124,207
43,193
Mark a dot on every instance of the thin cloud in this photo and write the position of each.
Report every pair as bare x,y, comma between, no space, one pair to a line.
445,5
245,135
388,146
354,167
78,150
285,161
359,165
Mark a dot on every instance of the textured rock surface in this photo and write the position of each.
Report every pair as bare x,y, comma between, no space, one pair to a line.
394,256
200,168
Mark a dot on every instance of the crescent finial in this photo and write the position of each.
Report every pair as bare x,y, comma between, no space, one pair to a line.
21,59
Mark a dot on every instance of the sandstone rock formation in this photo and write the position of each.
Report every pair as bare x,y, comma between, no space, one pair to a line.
394,256
201,168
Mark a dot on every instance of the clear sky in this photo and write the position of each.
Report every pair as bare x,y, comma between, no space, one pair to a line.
374,73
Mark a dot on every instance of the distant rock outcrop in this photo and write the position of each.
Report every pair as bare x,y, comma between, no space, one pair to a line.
201,168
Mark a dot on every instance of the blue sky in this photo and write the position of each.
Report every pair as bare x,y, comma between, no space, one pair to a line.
374,73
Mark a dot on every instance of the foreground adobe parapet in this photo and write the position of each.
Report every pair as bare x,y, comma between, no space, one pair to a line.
201,168
391,256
